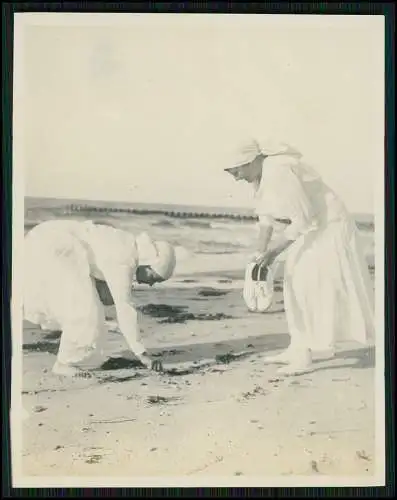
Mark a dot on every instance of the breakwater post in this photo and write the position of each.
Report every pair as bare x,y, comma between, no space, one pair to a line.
168,213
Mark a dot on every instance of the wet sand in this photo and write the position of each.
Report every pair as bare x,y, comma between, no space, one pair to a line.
218,410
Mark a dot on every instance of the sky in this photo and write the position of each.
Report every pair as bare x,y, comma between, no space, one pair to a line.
147,107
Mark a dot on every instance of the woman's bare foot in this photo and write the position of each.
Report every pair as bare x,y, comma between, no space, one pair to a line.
69,371
301,364
324,355
283,358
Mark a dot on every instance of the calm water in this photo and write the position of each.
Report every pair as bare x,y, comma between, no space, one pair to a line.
208,237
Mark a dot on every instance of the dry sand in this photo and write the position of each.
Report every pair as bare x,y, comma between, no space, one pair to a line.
218,411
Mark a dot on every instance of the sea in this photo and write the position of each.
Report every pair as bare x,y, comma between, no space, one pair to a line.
212,242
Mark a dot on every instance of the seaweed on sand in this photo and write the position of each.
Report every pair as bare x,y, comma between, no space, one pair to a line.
55,335
177,314
189,370
158,400
121,363
170,352
230,356
182,318
42,346
94,459
161,310
257,391
212,292
114,379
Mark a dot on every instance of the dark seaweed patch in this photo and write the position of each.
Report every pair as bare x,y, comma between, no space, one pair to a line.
212,292
39,409
177,314
158,400
176,372
94,459
48,347
161,310
225,358
230,356
173,372
113,379
53,335
182,318
121,363
257,391
165,352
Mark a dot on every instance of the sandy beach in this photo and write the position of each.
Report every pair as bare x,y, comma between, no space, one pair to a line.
218,410
195,129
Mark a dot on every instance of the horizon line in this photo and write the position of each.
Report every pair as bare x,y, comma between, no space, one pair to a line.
69,200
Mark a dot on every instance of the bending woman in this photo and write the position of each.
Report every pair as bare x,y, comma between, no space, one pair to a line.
328,293
67,263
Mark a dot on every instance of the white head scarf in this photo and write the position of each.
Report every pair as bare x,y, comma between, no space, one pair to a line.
160,255
249,150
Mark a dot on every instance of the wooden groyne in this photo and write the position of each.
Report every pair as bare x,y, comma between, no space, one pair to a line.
73,208
86,208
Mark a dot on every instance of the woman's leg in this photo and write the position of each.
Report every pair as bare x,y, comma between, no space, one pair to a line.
81,342
295,327
294,309
317,297
83,323
297,356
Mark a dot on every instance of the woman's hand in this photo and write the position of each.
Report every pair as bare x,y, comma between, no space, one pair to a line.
264,258
153,364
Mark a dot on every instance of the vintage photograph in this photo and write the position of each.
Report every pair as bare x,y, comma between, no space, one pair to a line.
198,250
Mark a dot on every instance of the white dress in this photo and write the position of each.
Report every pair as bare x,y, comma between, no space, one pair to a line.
62,258
328,292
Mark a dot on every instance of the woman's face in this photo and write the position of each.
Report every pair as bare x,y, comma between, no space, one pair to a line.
250,172
145,274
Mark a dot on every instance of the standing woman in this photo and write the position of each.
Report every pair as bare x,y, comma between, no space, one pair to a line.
328,293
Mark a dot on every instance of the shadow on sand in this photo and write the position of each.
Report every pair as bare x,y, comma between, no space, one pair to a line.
237,349
219,352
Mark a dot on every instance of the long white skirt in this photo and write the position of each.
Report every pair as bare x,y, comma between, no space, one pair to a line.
328,292
60,294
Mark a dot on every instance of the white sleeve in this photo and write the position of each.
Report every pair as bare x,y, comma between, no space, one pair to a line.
299,206
117,260
283,196
119,278
266,220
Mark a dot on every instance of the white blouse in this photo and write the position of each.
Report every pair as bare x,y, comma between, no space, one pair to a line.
99,251
292,190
